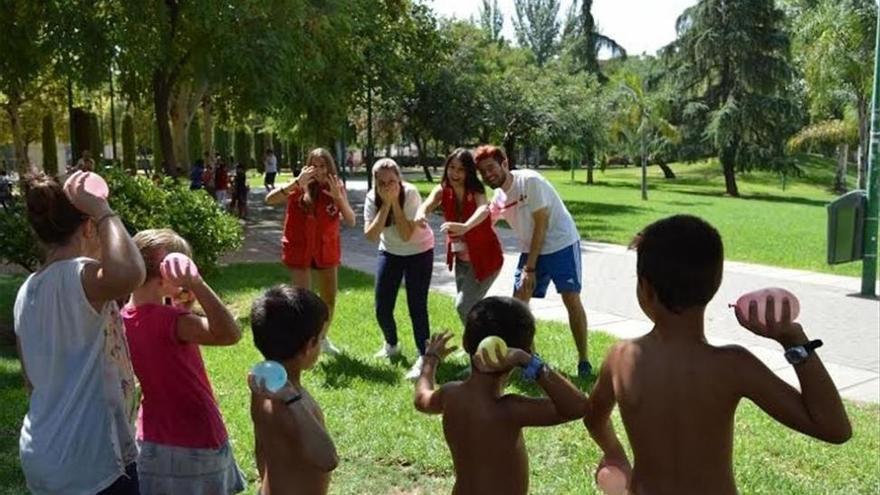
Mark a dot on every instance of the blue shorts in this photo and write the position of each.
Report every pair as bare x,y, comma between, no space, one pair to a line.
563,267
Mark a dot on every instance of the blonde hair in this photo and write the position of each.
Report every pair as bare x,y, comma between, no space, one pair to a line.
154,244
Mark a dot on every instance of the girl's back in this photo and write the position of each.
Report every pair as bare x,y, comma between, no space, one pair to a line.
77,361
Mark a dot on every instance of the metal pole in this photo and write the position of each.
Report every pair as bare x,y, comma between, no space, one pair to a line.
869,264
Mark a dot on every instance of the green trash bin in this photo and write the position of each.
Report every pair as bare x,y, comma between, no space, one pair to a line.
846,227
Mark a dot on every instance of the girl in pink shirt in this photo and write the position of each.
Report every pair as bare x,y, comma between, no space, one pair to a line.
184,447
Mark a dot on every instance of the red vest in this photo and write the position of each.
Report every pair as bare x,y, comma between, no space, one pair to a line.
482,243
311,237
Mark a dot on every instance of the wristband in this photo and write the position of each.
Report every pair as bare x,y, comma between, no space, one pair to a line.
293,399
528,270
532,370
433,354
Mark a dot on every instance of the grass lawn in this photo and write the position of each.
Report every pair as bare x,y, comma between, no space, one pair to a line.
766,225
386,447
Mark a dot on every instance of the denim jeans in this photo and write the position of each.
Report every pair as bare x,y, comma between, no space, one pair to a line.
391,270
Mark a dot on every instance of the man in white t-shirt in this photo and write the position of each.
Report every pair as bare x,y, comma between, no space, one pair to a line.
270,163
548,238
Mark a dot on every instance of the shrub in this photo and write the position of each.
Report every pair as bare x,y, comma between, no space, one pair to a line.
141,204
19,246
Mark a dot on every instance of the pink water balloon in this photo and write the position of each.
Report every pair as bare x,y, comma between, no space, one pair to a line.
760,297
611,480
177,265
93,183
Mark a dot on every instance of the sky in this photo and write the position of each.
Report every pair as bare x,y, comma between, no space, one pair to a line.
640,26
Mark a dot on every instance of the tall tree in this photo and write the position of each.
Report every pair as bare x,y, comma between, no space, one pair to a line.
537,27
732,64
492,20
129,154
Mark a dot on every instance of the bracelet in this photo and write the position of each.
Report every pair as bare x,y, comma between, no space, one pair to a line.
528,270
294,399
532,370
105,216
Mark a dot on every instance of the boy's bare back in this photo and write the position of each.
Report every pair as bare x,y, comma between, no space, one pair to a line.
487,450
677,401
284,466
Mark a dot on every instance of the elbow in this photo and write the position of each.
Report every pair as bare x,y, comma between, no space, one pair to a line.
372,237
330,463
231,338
349,222
574,411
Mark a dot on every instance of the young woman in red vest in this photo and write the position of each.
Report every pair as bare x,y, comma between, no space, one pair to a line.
472,245
316,201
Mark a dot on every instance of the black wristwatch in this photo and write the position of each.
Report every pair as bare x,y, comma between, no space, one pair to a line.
799,353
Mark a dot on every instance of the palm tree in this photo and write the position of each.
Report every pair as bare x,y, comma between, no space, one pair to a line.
639,124
589,41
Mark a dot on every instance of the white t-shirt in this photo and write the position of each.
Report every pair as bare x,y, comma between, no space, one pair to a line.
389,241
77,435
271,164
531,192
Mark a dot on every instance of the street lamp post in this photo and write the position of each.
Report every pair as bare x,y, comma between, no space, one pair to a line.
869,264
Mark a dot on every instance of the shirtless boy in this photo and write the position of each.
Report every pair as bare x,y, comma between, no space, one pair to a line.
482,425
678,394
294,452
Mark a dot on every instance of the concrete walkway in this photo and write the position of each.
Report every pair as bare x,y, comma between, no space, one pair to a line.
830,309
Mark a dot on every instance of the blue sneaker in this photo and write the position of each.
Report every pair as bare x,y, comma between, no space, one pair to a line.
585,369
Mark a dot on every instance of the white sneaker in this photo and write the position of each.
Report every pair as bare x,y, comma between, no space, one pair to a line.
416,370
327,347
388,351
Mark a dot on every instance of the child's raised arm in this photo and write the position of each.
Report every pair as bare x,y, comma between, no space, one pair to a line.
817,410
427,399
564,403
597,415
219,328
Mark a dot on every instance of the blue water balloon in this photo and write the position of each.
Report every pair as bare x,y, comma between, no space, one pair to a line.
271,374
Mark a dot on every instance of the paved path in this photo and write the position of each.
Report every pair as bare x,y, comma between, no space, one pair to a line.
849,325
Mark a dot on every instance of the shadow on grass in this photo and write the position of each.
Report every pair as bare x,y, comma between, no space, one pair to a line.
339,371
241,277
771,198
596,220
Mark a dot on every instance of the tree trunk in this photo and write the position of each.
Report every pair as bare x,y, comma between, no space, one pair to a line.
864,137
667,172
590,172
644,171
13,107
728,165
840,175
420,150
208,128
861,161
180,138
510,149
161,94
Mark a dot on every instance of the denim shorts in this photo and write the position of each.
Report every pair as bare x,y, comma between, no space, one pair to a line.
164,469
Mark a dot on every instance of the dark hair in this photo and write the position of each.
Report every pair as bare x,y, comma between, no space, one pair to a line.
682,257
504,317
487,151
471,181
284,319
49,211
